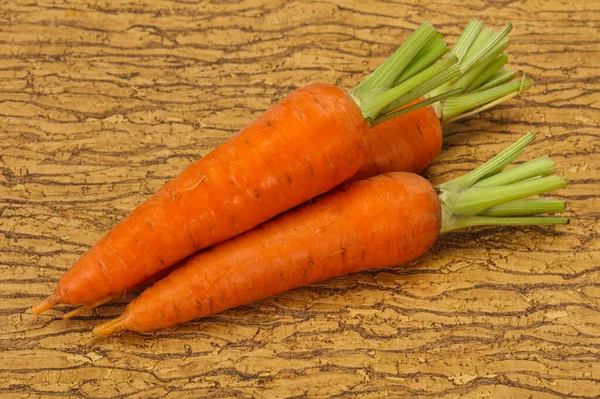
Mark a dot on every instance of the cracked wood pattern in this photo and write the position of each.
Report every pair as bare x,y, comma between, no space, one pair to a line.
102,102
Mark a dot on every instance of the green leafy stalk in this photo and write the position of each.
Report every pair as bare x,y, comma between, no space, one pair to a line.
489,196
503,221
484,37
420,84
481,59
408,74
464,105
471,78
524,207
475,200
466,39
489,43
387,73
468,79
374,101
427,57
542,166
488,72
464,43
500,77
491,167
429,101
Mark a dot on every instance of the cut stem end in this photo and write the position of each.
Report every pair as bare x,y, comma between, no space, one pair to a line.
412,71
473,72
489,196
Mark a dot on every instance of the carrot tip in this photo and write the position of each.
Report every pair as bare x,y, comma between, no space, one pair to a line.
89,306
110,327
46,304
75,312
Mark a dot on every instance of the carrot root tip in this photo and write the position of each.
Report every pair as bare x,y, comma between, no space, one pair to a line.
110,327
46,304
89,306
75,312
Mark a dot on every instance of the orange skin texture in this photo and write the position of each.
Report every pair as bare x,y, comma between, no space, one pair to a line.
380,222
308,143
407,143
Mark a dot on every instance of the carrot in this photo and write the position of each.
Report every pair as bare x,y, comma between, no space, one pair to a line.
411,151
383,221
409,142
311,141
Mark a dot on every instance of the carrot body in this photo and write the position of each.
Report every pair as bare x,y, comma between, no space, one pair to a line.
309,142
384,221
407,143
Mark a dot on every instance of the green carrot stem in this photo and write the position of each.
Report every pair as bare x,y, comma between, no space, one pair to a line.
485,49
429,101
488,196
542,166
484,37
480,56
387,73
472,221
464,44
525,207
416,70
432,77
475,200
488,72
500,77
426,57
373,102
418,54
466,38
460,106
481,73
493,166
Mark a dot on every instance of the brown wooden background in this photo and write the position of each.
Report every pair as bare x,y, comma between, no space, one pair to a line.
101,102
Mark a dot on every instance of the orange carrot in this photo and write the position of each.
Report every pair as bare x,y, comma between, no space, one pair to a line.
329,237
418,144
408,142
255,175
311,141
383,221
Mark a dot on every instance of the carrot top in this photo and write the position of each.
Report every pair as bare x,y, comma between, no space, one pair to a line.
409,73
483,81
489,195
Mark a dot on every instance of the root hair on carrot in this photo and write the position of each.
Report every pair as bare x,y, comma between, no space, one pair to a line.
46,304
110,327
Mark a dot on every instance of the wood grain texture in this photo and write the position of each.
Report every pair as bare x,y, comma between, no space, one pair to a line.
102,102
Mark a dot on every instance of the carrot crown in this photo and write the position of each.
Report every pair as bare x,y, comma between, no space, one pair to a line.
408,74
490,196
483,80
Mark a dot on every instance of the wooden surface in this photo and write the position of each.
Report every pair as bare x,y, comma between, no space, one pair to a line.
101,104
